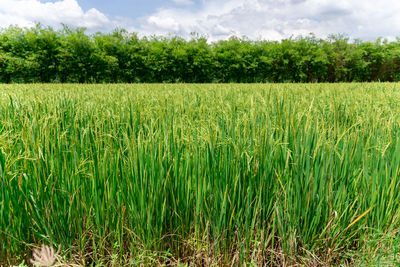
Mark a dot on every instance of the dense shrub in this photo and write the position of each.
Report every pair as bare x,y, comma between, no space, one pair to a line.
42,54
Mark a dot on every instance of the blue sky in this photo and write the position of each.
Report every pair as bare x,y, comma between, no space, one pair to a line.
126,8
216,19
133,9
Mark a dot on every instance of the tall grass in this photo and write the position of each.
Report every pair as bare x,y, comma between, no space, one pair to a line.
262,174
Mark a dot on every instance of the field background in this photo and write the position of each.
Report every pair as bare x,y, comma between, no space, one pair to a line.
225,174
43,55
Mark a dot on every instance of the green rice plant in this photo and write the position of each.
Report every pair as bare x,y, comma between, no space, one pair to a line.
262,174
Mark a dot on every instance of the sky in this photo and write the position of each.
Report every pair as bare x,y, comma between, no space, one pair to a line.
215,19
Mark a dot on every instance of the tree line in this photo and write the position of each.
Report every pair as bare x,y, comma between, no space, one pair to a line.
42,54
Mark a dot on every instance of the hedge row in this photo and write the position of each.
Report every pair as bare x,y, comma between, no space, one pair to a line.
42,54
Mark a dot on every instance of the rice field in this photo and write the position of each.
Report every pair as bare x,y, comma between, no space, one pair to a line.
228,174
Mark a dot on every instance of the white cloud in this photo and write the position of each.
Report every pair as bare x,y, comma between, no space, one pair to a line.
26,13
183,2
219,19
277,19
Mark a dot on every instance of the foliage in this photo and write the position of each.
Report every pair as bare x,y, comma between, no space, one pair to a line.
41,54
270,174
